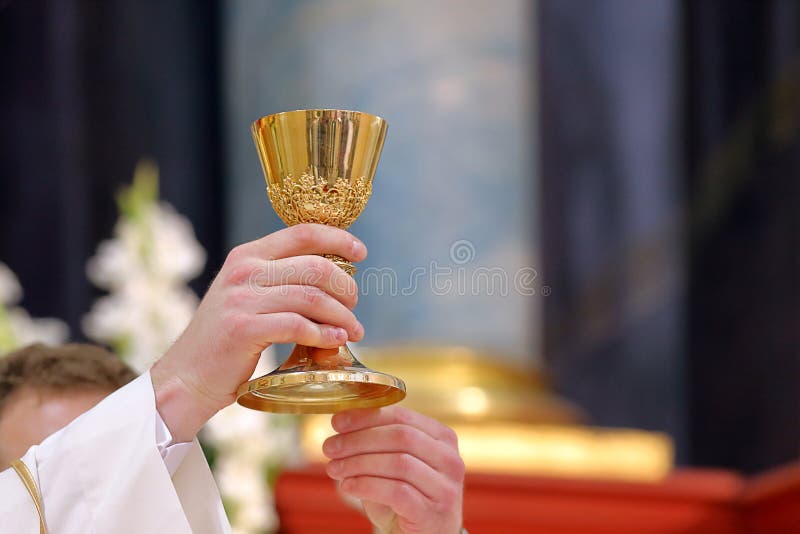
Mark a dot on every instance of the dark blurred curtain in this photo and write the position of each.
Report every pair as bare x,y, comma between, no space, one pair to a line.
88,88
611,202
670,167
742,139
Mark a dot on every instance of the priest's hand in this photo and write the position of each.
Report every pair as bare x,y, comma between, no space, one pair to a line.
403,466
272,290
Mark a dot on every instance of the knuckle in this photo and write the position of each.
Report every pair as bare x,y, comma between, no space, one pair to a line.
325,268
235,324
404,437
456,465
450,436
351,484
236,254
237,272
403,492
404,462
402,415
314,269
294,325
450,497
303,234
345,288
235,299
311,295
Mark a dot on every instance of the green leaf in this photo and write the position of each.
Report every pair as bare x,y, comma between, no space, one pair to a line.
272,471
231,508
121,346
133,201
8,341
211,453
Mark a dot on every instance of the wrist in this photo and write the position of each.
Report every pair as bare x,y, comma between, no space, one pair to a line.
182,409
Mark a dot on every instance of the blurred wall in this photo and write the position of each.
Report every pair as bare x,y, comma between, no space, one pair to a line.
455,190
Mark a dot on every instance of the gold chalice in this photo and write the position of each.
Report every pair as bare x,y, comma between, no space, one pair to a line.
319,166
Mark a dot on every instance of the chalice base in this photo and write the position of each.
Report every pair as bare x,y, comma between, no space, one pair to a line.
314,381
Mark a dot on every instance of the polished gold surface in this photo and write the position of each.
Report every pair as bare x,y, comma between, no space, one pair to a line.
507,419
322,391
313,380
319,165
308,199
329,145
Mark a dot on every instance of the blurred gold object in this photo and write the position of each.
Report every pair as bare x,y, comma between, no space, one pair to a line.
319,165
461,384
506,419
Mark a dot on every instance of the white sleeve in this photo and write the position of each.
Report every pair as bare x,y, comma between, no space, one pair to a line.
104,473
172,453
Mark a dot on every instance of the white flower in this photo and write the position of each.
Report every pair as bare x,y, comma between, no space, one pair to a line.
176,253
114,262
10,290
142,318
17,328
28,330
145,266
161,246
241,484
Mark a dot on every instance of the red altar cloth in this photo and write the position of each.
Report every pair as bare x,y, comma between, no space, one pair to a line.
688,501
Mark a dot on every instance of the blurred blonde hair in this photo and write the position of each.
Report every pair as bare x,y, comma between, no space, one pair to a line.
70,367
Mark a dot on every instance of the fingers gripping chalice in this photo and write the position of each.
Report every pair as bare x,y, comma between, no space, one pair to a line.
319,165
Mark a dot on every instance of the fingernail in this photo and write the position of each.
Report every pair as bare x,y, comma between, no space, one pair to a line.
334,467
359,330
340,334
332,446
358,248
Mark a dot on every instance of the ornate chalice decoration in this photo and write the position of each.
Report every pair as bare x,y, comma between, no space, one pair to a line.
319,166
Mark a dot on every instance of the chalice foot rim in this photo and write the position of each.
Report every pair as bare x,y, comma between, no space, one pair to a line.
321,391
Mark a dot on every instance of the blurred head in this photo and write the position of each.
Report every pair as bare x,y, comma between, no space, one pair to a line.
42,389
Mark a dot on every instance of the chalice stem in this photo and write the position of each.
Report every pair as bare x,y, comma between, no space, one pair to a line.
304,358
342,263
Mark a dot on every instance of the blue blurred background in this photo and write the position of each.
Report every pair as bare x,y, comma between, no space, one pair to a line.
640,158
457,171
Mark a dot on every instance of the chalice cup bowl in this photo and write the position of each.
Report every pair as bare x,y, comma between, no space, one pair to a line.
319,165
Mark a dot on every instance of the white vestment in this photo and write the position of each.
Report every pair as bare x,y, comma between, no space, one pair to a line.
104,473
